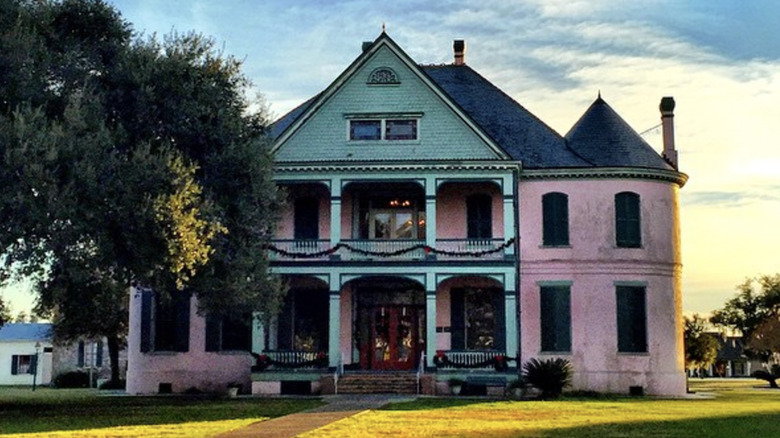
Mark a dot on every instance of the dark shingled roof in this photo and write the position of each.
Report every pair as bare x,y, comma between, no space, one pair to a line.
602,137
521,134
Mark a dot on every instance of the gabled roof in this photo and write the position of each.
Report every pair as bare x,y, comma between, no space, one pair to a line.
603,138
521,134
25,332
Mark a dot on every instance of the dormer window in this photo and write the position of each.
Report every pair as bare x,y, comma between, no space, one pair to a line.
385,128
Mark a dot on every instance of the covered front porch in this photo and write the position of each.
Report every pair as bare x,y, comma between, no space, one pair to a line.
381,324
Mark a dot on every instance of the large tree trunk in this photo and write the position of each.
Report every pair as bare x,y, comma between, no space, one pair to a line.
113,355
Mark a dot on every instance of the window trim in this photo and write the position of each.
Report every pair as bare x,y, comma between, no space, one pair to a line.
383,119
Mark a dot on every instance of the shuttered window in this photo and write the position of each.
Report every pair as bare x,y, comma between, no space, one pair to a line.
307,218
165,325
479,217
555,219
229,333
556,318
627,220
477,319
631,319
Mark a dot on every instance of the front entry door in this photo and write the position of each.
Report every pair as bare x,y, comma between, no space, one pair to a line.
394,343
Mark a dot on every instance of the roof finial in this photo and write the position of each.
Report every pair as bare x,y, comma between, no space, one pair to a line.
383,27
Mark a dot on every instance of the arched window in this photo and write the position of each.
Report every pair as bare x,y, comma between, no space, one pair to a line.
479,217
555,219
628,232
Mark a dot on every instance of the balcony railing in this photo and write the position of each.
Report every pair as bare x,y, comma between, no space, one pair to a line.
366,249
469,360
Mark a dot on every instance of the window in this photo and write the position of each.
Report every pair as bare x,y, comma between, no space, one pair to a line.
303,322
307,218
165,325
556,318
365,129
631,319
383,129
479,217
229,333
401,129
627,225
23,364
86,354
390,218
477,319
555,219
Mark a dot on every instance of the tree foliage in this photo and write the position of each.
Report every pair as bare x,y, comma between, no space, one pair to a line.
701,347
128,161
751,308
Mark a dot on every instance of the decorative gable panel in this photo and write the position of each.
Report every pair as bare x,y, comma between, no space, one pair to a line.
385,110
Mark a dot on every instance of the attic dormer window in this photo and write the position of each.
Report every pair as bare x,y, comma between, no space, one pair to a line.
383,76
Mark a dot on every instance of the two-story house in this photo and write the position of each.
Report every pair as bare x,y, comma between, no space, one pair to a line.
437,226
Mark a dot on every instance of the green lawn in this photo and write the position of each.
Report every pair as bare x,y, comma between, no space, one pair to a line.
740,408
49,410
743,408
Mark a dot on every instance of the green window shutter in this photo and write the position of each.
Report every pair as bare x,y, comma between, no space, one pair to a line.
146,320
631,319
499,317
99,354
15,364
479,217
80,360
284,327
33,364
213,332
555,317
457,319
555,219
306,218
628,232
182,322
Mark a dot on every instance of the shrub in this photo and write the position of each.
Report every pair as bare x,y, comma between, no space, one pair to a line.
74,379
549,376
113,384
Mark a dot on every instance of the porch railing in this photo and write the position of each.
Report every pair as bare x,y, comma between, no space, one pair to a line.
471,360
292,359
367,249
303,249
459,249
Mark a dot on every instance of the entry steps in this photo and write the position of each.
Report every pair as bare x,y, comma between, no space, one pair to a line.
378,383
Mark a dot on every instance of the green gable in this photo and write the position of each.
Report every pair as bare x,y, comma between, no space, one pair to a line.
384,85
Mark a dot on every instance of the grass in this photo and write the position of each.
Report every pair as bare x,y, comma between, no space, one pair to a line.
84,412
740,408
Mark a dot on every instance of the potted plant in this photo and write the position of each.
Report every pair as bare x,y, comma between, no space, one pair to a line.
515,388
233,388
456,385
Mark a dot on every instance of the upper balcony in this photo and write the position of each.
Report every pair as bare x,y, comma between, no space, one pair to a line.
394,221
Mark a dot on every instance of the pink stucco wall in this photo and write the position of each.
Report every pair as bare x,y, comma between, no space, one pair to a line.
207,371
593,263
451,208
285,227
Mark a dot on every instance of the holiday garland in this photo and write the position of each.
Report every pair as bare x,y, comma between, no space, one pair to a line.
263,361
427,249
499,362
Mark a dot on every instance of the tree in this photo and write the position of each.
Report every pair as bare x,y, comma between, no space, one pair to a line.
701,348
5,312
128,161
751,308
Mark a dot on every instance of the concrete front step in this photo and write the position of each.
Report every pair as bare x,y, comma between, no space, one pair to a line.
380,383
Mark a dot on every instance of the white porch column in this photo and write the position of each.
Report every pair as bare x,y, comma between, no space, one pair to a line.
334,323
430,212
508,190
430,325
510,317
335,212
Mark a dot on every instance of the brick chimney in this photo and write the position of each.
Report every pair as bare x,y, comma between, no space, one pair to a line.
459,47
667,123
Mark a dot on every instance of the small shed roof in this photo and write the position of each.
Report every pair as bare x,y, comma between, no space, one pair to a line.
26,332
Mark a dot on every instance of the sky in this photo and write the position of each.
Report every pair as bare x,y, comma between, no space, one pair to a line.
720,59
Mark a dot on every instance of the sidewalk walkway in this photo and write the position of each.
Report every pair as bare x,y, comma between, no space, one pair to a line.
338,407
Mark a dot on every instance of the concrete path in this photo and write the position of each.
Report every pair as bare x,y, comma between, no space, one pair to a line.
338,407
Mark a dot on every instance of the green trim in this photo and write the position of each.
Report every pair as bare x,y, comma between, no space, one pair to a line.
554,283
673,176
630,283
